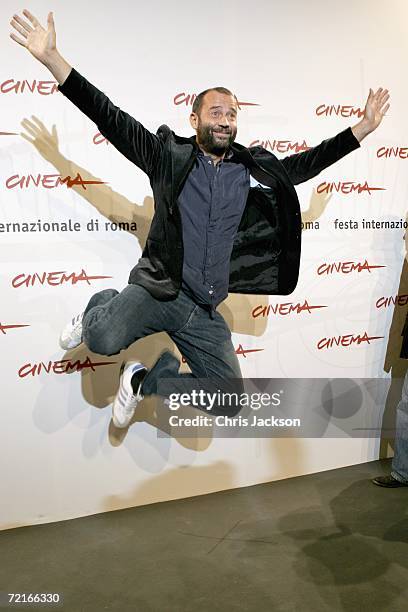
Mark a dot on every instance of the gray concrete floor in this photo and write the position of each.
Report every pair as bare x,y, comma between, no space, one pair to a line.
328,541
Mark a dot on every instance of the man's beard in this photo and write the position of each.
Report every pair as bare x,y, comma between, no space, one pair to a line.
210,142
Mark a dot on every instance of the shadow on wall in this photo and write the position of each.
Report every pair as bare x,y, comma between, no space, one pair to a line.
99,389
188,481
393,364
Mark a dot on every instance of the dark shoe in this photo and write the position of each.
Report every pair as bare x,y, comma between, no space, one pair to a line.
388,481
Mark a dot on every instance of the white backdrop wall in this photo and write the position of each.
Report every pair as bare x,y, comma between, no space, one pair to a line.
60,455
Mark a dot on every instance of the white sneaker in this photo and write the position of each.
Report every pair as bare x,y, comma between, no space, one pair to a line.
71,335
126,399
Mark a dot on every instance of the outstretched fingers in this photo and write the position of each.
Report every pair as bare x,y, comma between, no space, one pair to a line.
382,101
20,42
31,17
385,109
23,23
380,95
379,99
22,27
19,29
50,20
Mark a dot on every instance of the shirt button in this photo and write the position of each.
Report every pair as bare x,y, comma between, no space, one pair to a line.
211,292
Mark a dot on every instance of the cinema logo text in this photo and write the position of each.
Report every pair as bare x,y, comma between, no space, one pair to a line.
283,309
281,146
5,328
64,366
48,181
99,138
345,267
188,99
387,152
53,279
347,188
43,88
339,110
240,350
394,300
346,340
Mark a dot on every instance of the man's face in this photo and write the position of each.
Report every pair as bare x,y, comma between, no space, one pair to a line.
216,123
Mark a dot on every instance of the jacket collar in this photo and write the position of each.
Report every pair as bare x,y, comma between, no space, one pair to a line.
263,165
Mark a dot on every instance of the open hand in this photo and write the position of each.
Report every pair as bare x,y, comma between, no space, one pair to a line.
376,107
41,138
40,42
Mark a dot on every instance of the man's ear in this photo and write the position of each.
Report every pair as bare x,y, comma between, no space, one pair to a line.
194,120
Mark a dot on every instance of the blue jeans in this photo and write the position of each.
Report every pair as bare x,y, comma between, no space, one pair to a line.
113,321
400,461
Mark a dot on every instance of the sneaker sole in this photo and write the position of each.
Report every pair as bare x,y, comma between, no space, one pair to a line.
122,367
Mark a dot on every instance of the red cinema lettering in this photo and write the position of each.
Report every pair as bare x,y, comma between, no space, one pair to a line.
281,146
183,98
241,351
54,278
44,88
345,267
59,367
48,181
25,370
298,308
401,152
258,311
338,110
346,340
283,309
3,328
188,99
78,180
99,139
64,366
397,300
347,187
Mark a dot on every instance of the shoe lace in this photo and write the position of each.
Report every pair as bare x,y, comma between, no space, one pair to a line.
76,321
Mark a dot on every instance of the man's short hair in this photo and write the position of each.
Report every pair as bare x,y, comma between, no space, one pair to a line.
198,101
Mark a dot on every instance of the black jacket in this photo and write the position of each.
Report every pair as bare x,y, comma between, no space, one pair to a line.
266,252
404,345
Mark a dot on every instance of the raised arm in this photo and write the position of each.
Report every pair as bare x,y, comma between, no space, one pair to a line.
126,134
306,165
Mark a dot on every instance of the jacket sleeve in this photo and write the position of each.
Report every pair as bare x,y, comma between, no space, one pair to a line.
308,164
126,134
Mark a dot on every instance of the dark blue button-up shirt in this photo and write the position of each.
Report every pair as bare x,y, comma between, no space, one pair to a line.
211,204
